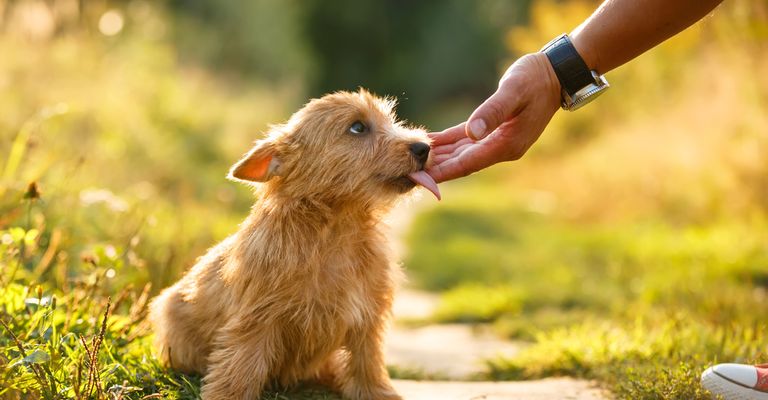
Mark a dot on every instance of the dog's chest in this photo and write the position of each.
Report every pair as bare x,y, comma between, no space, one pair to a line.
353,285
356,306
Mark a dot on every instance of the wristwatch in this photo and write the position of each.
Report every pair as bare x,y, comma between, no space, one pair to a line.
579,84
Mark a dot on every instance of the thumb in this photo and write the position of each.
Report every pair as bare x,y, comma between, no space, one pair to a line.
500,107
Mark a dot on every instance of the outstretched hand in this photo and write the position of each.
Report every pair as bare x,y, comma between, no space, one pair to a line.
504,126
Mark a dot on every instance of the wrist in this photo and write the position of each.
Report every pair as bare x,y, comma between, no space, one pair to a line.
550,81
579,82
584,46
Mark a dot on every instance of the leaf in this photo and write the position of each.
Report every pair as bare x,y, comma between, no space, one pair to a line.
37,357
30,237
14,362
17,233
120,389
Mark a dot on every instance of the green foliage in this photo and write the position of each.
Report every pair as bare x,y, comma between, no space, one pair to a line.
398,372
643,308
80,344
477,303
417,51
260,39
133,154
599,267
659,358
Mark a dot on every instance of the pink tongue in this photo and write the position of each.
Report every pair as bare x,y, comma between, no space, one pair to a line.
422,178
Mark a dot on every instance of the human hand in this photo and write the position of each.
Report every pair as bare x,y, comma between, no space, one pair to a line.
504,126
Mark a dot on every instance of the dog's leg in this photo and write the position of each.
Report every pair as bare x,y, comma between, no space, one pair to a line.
175,335
364,375
241,362
328,372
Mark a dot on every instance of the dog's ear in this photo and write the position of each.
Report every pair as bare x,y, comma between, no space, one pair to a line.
259,165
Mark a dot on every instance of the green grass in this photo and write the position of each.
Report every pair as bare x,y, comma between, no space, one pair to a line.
642,307
86,341
660,358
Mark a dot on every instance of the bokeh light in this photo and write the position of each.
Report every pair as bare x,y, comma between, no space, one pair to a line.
111,23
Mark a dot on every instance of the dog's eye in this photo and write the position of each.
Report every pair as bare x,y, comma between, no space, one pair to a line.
358,128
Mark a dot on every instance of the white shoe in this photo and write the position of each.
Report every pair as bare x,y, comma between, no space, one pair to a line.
736,381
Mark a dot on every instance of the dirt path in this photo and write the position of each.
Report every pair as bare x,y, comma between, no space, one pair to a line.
456,351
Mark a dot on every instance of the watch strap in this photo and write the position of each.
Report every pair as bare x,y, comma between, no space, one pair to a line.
571,70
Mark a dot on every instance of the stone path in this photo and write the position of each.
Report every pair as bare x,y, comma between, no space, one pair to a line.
451,351
545,389
447,351
456,351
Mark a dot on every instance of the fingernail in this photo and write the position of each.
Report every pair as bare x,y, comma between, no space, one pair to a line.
477,129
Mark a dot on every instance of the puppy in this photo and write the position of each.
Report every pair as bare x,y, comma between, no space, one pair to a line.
303,290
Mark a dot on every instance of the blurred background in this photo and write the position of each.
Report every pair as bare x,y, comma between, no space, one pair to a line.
632,240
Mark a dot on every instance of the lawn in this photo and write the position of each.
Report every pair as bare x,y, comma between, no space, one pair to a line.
642,307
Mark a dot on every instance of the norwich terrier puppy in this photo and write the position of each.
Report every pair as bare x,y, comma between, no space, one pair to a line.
303,290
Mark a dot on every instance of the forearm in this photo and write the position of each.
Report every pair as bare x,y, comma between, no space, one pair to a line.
621,30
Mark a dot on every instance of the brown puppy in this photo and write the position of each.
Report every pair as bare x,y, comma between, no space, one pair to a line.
304,289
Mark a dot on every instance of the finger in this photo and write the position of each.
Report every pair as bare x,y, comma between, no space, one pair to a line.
439,158
449,135
473,158
446,171
451,147
452,168
501,106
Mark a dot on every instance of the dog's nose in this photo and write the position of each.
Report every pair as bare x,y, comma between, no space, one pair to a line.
420,151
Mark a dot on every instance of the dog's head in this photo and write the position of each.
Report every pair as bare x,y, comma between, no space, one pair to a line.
342,147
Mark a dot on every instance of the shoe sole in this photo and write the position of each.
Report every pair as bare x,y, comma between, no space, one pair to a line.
719,385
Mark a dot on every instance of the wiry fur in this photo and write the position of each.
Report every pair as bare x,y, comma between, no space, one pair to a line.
304,289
